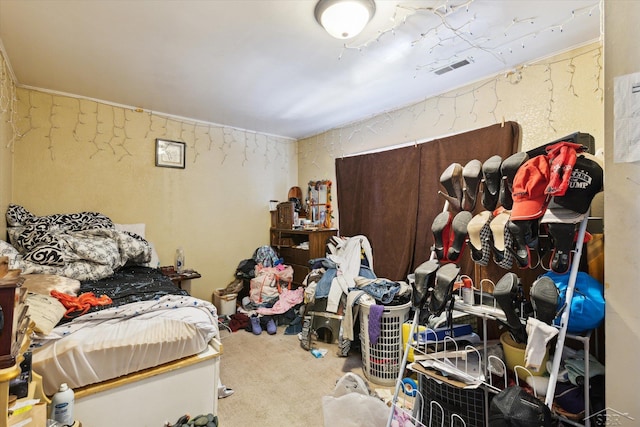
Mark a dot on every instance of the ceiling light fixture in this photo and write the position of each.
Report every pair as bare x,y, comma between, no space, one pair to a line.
344,19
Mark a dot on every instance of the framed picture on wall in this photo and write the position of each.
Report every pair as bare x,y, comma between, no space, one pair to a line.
170,154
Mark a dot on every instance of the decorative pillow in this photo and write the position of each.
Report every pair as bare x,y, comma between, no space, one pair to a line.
6,249
138,229
45,311
17,215
43,284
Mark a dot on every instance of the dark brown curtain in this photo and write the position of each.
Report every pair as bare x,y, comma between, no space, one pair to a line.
378,198
392,197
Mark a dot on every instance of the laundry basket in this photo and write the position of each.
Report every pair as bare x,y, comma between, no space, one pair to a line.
382,361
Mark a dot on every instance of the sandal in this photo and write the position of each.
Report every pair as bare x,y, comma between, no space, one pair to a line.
502,239
424,279
492,178
451,180
479,233
458,235
441,228
508,169
471,175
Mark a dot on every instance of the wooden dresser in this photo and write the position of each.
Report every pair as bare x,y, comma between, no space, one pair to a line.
297,247
14,320
14,341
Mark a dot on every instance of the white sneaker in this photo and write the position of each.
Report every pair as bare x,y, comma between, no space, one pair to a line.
224,392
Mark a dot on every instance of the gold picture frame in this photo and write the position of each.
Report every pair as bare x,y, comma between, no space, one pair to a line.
170,154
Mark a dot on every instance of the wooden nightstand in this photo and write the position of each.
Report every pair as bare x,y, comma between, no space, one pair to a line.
178,278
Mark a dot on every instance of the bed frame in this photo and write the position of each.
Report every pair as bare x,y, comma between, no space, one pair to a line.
154,396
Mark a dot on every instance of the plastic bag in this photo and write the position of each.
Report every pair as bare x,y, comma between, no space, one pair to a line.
354,410
351,405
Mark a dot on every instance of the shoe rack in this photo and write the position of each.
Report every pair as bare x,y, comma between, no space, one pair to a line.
418,348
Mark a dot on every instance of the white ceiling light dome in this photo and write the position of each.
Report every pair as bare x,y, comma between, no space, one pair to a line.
344,19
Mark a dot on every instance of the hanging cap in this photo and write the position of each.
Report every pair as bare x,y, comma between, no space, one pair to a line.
529,185
586,181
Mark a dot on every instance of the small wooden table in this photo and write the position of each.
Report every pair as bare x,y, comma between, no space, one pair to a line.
178,278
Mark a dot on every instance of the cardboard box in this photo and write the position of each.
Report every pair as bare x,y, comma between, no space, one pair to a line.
36,416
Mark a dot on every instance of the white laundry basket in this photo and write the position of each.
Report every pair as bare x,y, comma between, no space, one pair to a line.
382,361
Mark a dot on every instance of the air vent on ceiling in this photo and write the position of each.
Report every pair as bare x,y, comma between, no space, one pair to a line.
452,67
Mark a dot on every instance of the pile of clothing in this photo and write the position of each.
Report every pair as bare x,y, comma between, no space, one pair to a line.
346,279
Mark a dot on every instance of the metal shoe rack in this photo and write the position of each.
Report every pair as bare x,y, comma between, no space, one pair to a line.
473,404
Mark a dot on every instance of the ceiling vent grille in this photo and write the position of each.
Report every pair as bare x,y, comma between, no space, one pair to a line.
452,67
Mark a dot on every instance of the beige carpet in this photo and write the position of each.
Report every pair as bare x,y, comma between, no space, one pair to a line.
276,382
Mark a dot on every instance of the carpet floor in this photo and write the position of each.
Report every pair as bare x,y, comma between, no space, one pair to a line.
277,383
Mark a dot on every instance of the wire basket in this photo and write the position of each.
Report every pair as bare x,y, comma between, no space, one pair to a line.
468,404
382,361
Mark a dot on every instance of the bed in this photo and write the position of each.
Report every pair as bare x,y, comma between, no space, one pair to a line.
137,346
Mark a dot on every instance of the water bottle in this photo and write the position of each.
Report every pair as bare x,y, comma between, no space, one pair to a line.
62,405
179,265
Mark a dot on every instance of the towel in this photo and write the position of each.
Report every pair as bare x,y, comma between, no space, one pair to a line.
539,334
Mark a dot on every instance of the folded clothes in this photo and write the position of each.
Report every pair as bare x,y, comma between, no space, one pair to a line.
575,367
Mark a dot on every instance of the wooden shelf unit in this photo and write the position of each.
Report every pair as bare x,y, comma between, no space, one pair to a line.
287,243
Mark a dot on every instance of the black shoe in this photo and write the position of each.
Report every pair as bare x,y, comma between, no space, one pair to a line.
424,279
563,236
508,169
544,295
505,293
441,229
491,178
472,176
459,232
443,288
525,242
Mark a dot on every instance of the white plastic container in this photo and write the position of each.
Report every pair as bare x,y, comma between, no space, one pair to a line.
179,265
225,304
62,405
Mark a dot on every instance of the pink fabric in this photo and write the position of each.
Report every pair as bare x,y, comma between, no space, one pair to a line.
288,298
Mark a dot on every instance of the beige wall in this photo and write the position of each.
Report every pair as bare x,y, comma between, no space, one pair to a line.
8,118
622,246
81,155
549,99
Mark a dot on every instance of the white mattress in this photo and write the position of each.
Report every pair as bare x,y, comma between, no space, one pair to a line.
117,341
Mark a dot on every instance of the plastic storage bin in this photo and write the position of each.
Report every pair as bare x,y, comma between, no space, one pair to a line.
514,356
225,304
381,362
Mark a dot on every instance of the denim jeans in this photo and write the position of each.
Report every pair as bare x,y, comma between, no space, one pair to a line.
382,290
324,284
